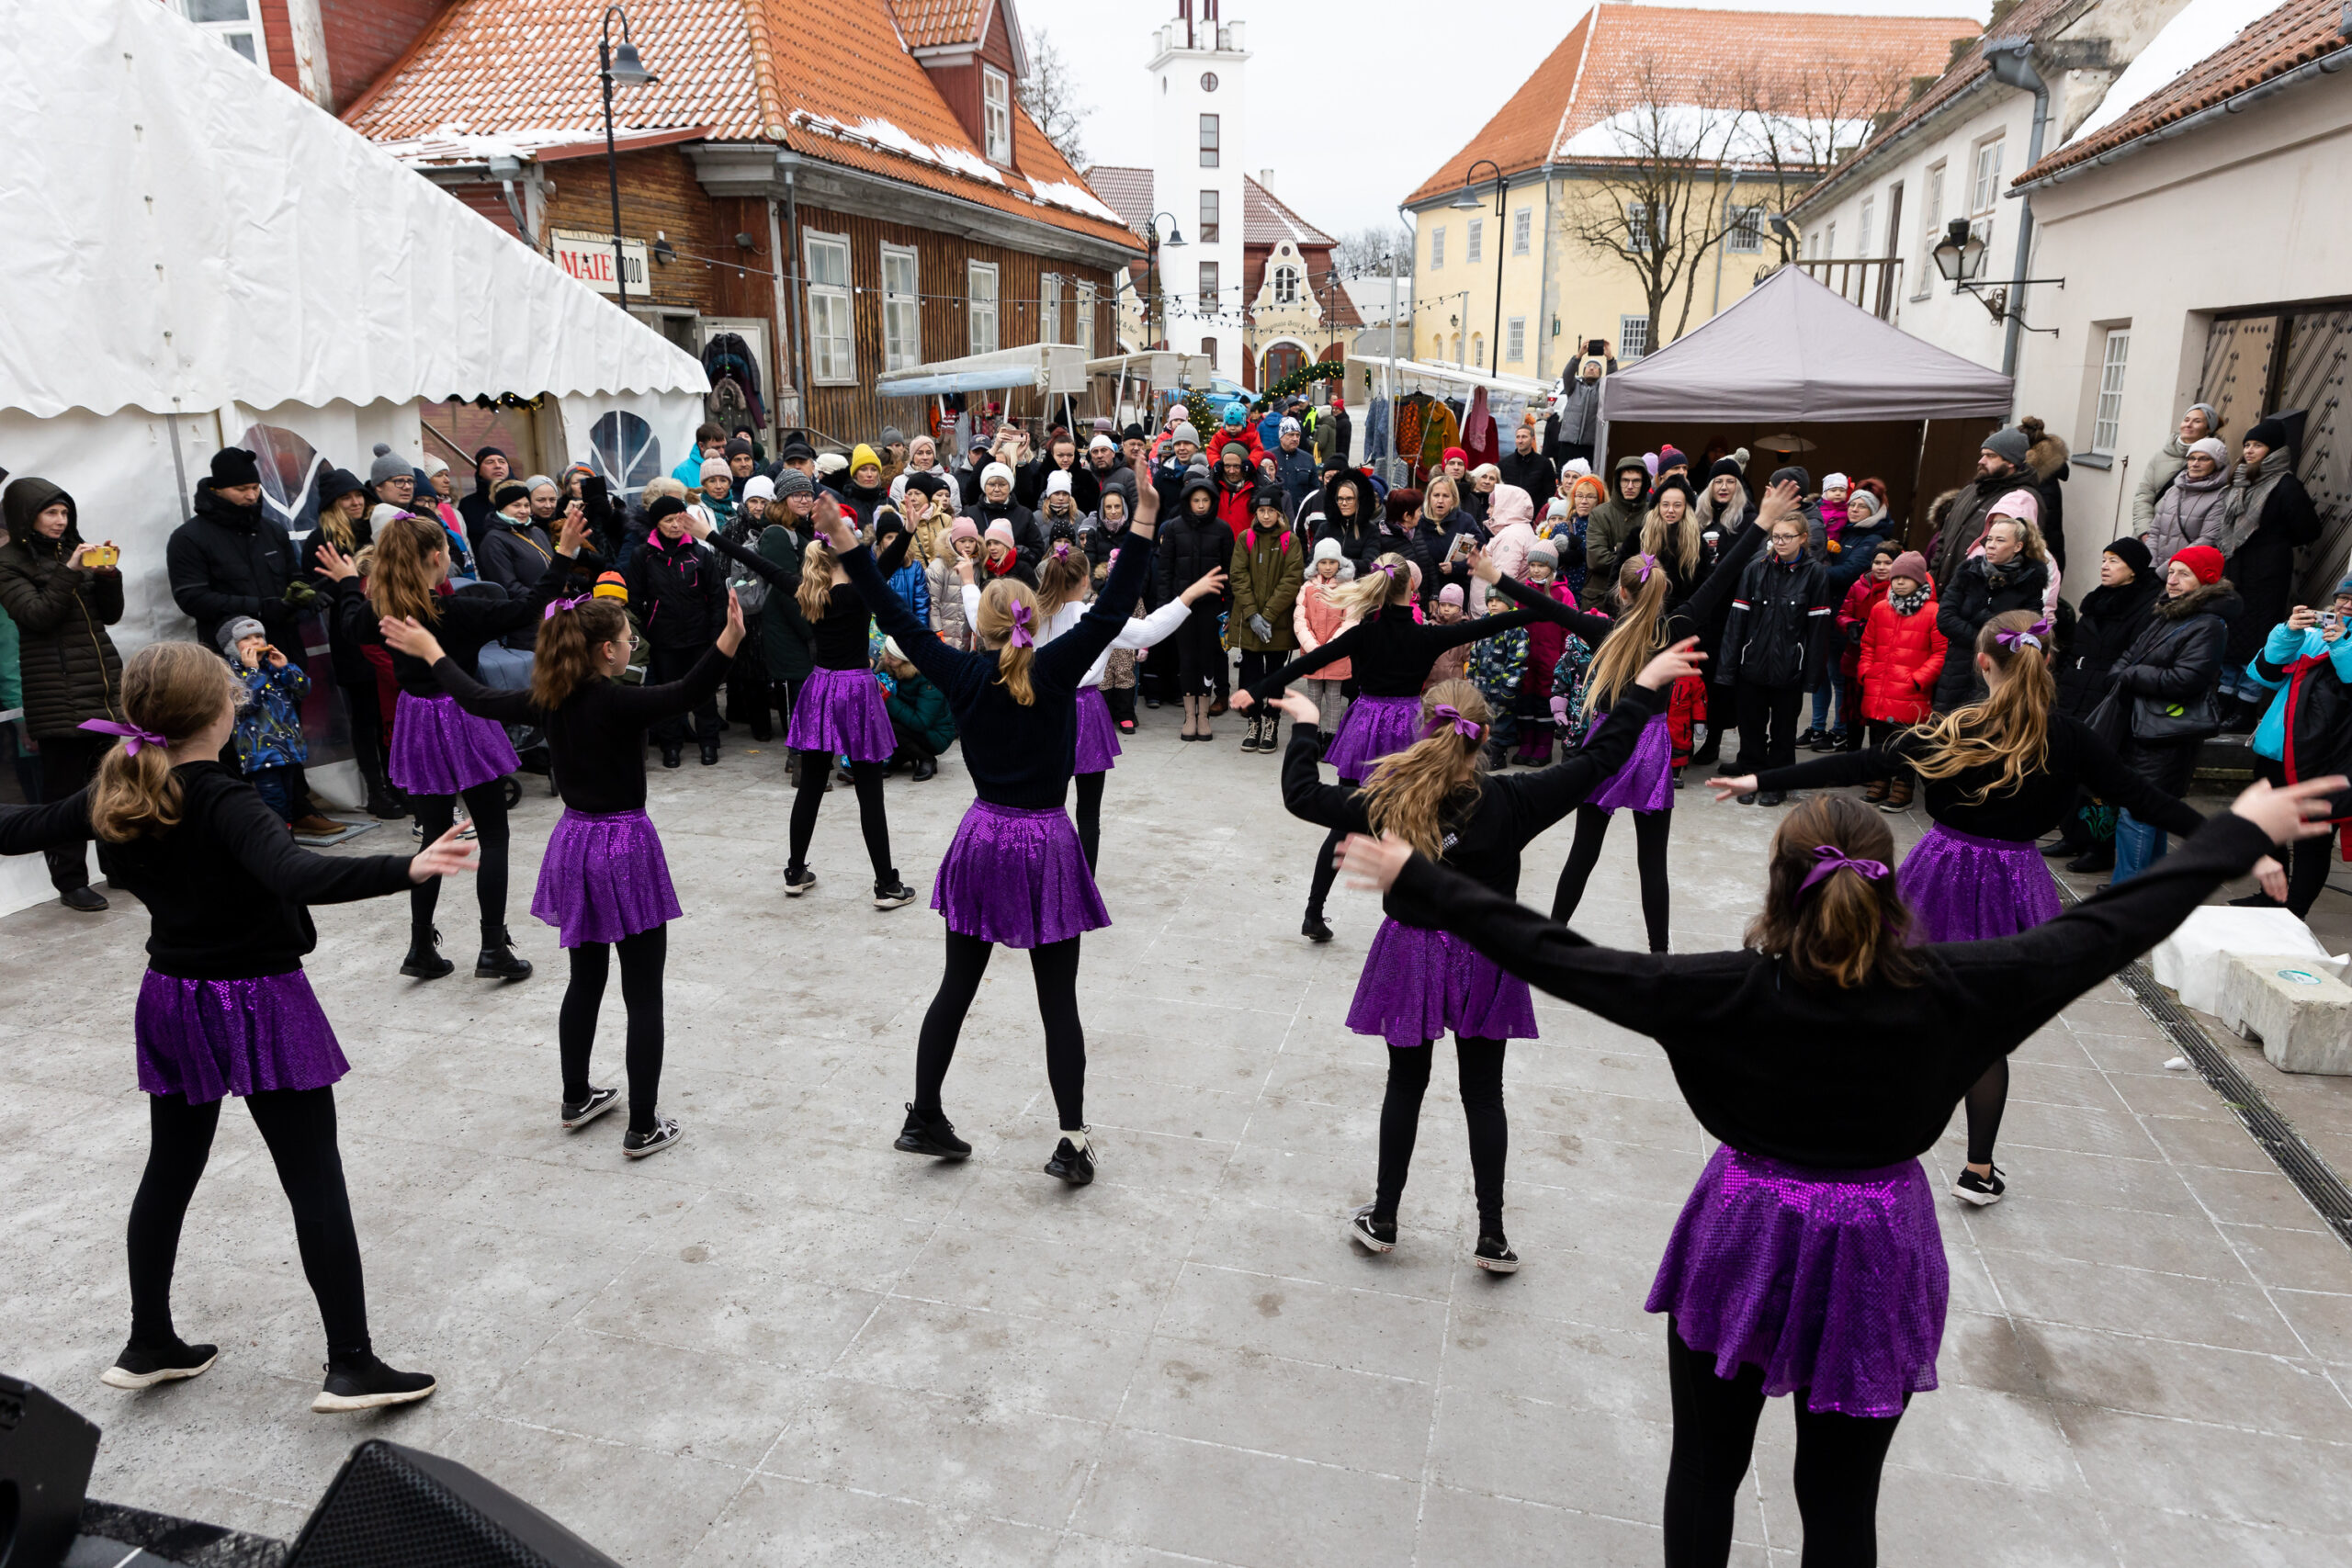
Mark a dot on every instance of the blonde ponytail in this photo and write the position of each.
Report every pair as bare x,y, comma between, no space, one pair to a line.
1638,636
1006,605
169,689
1408,793
1388,580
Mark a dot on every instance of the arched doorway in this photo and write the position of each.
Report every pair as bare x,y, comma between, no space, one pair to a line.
1281,360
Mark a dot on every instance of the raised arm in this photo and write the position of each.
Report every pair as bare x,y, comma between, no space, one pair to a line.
1439,639
1339,647
643,704
774,576
1540,799
512,616
1587,627
1692,614
955,671
1067,657
24,829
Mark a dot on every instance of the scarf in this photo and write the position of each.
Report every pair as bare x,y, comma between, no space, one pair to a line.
1907,604
2248,494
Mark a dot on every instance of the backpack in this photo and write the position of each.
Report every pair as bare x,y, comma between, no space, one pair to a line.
749,588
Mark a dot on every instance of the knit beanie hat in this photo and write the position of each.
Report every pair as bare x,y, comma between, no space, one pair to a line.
2269,432
1268,495
2009,444
388,464
507,493
236,630
234,465
1234,417
540,481
759,487
792,482
1546,552
739,447
1289,426
1913,565
716,468
832,463
2213,447
1057,482
2023,503
1725,468
893,436
1794,471
1453,453
862,455
2133,554
1834,481
926,484
962,529
1184,432
335,484
1328,550
383,515
662,506
1450,595
1102,443
1671,458
1001,532
2203,559
433,466
996,471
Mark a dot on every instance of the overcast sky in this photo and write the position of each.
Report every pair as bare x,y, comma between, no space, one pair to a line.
1352,103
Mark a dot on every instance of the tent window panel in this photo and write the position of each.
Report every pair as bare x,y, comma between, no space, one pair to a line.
2107,424
901,310
980,305
1632,336
831,346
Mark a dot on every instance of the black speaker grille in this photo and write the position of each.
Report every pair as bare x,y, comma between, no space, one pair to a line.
393,1507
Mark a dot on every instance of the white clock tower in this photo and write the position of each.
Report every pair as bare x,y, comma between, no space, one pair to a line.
1199,99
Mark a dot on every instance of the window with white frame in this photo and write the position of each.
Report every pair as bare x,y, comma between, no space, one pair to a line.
1984,189
901,310
1522,230
236,23
1870,214
1209,140
1829,242
1286,281
1478,350
1641,232
1475,251
1208,301
2107,422
1210,213
1515,339
1049,323
1437,247
980,304
830,346
1931,229
996,114
1086,319
1746,230
1632,336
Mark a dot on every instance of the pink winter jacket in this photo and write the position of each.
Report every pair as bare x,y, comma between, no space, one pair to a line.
1317,620
1510,526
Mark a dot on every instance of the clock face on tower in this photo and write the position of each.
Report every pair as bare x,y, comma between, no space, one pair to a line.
1208,80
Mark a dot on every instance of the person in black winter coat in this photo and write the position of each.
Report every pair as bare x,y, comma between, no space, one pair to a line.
678,590
1528,467
1194,543
1061,454
996,505
1776,642
228,560
2005,577
512,550
2109,621
2170,676
491,468
2267,517
341,530
1352,514
2046,469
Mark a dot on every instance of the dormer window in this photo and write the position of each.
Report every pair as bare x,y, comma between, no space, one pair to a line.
996,114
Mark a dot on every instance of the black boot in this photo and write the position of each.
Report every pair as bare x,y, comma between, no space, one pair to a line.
424,961
2098,857
930,1132
497,960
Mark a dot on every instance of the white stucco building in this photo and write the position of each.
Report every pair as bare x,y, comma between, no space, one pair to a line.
1199,118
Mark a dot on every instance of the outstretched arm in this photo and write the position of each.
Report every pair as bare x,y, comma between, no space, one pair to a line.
1304,795
954,670
1587,627
1068,657
1541,798
1693,613
25,830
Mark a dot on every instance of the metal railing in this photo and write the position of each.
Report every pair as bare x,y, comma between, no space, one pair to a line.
1868,281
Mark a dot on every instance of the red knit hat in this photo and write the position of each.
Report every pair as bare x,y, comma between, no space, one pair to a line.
2203,559
1454,452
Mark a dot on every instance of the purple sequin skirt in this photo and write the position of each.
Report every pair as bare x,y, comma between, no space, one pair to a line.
1017,878
1647,780
203,1039
1831,1282
1375,727
840,712
1419,984
1098,738
1962,887
604,878
440,749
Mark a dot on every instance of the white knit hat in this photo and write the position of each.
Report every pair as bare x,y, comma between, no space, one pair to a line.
1057,482
759,488
1834,481
1102,441
996,471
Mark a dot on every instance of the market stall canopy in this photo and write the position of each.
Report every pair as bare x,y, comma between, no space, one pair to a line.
185,233
1421,375
1040,367
1792,352
1161,367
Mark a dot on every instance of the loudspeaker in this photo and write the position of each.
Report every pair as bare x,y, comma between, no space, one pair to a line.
395,1508
46,1451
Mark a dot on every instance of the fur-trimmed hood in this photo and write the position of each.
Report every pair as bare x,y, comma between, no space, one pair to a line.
2206,599
2045,454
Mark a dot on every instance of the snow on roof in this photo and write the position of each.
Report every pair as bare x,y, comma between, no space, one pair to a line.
881,134
1719,134
2202,29
1077,198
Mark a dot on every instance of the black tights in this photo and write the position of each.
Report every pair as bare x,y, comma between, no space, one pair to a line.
576,1029
367,737
866,778
1987,1098
1054,967
1481,1065
1090,814
1650,831
1327,869
1838,1464
299,1126
486,804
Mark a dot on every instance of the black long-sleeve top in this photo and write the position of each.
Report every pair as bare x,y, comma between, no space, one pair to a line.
597,737
1392,652
1018,755
1689,615
227,890
2078,760
466,626
1848,1079
839,642
1485,829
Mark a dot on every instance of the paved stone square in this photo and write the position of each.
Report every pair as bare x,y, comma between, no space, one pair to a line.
784,1343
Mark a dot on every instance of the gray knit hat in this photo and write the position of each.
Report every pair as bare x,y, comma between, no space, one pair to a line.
893,436
792,482
1184,432
388,464
2009,444
236,629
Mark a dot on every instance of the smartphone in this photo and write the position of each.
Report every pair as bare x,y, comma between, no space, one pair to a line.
102,555
593,492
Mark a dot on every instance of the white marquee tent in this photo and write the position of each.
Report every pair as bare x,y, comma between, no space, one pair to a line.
196,250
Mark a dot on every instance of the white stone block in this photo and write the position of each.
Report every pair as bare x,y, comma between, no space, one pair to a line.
2299,1012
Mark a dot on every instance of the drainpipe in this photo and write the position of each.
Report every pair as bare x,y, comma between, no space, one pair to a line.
2012,62
789,281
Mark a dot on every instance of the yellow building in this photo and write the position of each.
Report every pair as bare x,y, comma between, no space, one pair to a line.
1648,156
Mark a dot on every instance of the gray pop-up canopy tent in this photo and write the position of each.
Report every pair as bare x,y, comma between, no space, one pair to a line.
1795,359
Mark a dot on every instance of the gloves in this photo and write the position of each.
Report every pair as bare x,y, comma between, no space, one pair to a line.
300,595
1560,710
1262,628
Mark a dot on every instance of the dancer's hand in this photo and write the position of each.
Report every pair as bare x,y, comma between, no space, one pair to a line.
964,570
834,525
1373,864
733,638
1731,787
2298,811
1300,705
333,563
404,634
445,856
1782,500
1241,701
2273,878
1483,567
1210,581
1147,517
573,533
1672,665
698,524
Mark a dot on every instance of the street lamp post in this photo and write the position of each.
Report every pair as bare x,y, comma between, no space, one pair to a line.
1175,238
1466,202
621,67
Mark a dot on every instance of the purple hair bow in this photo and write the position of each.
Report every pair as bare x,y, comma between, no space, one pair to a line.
1648,564
1828,860
2030,637
1446,714
572,603
133,738
1021,636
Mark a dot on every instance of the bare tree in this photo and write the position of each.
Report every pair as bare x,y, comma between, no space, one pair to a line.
1365,251
1796,130
1049,93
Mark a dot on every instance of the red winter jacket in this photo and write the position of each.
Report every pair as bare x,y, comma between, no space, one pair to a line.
1852,615
1248,436
1545,639
1237,509
1902,656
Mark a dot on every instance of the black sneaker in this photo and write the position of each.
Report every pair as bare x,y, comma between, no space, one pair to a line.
889,894
577,1115
1495,1256
138,1368
1829,740
86,899
799,881
924,768
425,962
1980,1191
636,1144
2062,848
499,962
930,1132
1074,1165
1369,1233
369,1385
1314,928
